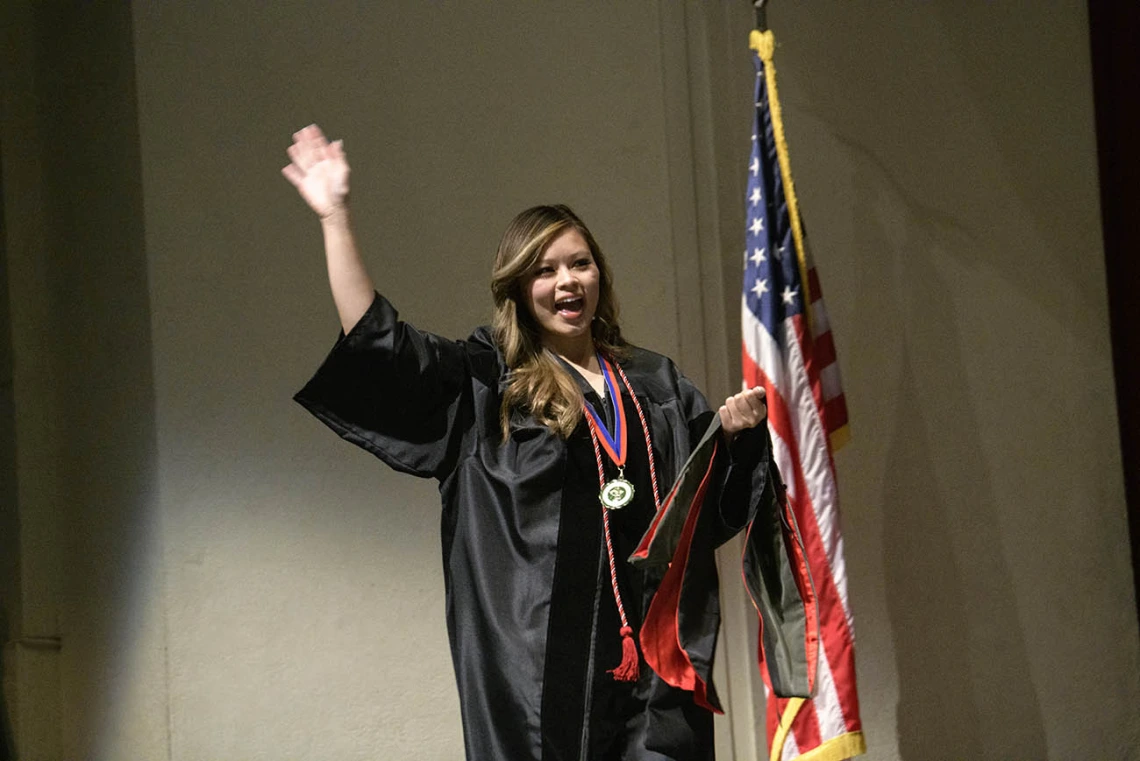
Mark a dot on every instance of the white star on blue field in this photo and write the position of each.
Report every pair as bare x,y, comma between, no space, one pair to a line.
772,287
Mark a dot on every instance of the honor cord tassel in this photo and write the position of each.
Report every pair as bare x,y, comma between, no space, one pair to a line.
630,668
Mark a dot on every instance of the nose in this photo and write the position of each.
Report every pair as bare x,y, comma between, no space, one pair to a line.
566,276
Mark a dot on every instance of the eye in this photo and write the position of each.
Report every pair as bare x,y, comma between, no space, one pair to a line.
544,270
583,263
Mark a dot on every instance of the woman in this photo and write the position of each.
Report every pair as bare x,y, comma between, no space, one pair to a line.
552,440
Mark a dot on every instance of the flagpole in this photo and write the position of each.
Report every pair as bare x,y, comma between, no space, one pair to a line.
761,9
782,352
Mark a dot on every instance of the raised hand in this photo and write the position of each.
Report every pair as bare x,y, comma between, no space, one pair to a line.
743,411
319,171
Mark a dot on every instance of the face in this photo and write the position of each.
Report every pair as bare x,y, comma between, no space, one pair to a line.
561,293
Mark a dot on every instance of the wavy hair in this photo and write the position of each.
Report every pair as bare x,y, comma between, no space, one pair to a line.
537,382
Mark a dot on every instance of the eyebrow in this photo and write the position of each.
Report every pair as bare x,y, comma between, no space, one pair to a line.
584,252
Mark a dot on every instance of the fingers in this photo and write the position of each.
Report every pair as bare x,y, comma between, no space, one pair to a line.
309,147
318,169
756,401
293,175
726,422
311,135
744,410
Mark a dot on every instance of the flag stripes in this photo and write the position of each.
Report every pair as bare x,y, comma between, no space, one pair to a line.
788,348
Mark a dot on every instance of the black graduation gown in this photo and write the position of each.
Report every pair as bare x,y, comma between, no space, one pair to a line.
530,614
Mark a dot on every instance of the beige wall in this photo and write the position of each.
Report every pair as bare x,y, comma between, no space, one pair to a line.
945,154
227,580
303,585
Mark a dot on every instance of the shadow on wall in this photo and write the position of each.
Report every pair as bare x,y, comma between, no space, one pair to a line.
938,714
965,688
102,405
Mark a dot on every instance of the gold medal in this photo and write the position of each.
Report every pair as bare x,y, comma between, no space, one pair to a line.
616,494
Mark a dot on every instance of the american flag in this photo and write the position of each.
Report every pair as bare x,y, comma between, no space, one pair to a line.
788,349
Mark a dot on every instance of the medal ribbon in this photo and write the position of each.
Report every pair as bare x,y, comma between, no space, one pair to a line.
629,669
615,444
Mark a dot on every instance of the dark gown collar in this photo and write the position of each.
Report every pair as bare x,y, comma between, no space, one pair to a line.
602,405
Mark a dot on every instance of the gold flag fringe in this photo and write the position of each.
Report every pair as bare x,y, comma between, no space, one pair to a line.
848,744
764,43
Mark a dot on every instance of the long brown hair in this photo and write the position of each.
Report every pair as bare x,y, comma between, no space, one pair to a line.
537,382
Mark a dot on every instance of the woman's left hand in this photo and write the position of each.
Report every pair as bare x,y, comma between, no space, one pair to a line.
743,411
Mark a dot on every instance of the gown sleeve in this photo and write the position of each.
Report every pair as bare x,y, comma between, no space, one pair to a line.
400,393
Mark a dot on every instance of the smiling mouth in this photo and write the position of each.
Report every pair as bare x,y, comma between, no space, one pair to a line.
569,307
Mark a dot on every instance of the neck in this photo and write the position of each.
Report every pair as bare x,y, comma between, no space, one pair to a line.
576,352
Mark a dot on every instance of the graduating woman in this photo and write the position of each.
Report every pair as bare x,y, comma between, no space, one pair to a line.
553,441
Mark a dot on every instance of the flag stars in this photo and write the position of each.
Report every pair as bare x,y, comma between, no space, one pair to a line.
757,225
755,197
760,287
754,167
780,251
789,295
758,257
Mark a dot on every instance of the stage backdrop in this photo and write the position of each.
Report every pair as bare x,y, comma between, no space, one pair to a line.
196,569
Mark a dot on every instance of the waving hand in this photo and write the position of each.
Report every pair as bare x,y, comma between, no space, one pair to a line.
319,171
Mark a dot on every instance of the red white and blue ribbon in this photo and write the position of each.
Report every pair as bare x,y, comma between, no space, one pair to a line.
615,442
